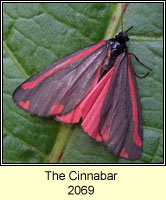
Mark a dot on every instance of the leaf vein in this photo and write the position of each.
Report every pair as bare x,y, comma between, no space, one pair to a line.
67,25
15,61
25,144
85,15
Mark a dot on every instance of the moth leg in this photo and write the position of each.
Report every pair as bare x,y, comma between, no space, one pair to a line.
140,61
141,76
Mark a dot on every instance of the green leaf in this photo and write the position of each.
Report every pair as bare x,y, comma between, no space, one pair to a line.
36,35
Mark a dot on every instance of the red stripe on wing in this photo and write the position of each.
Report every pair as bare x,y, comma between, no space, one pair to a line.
136,136
30,85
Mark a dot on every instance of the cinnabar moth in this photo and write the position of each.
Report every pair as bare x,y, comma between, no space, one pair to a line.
97,84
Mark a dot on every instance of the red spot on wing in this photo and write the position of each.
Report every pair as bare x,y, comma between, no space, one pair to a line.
56,109
136,136
25,104
30,85
123,153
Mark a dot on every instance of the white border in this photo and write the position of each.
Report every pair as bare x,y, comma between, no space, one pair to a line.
57,164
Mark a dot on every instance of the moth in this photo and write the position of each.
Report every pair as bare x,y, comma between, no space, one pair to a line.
96,84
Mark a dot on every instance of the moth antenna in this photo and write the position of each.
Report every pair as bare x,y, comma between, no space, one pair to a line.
145,32
129,29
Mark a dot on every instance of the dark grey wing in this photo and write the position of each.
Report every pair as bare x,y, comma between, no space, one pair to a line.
121,120
59,88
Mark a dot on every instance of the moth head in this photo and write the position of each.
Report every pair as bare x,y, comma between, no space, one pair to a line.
122,36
